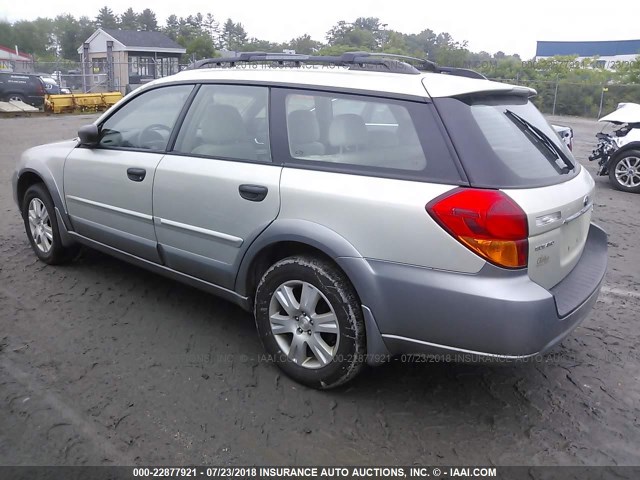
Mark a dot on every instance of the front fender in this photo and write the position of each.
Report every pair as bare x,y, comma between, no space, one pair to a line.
633,145
47,162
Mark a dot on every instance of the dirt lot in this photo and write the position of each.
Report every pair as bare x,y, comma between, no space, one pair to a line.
104,363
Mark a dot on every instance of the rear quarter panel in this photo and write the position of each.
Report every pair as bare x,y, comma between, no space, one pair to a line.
382,218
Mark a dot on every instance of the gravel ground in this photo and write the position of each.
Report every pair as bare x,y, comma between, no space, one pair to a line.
102,363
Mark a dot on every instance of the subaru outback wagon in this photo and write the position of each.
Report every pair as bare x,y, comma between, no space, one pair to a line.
360,206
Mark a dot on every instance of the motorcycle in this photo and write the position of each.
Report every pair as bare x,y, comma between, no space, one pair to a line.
618,152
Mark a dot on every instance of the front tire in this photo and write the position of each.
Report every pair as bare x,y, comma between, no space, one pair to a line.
41,225
624,173
310,321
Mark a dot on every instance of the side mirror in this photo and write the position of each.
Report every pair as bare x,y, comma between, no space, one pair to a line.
89,135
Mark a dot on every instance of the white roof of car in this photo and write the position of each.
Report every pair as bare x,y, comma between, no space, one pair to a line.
436,84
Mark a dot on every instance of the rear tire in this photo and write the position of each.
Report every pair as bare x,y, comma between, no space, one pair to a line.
16,97
624,173
41,225
310,321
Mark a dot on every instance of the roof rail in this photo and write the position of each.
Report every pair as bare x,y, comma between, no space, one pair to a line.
461,72
353,60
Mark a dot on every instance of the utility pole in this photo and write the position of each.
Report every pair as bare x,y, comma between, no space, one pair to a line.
555,97
384,34
604,89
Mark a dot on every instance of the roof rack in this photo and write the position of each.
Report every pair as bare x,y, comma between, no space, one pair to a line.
353,60
461,72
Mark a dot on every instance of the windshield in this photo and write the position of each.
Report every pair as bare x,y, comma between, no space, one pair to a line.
505,142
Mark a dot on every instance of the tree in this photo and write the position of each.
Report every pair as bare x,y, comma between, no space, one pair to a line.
257,45
422,44
373,25
304,44
395,43
368,23
212,27
66,30
129,20
7,35
201,47
147,20
87,27
172,27
35,37
630,71
234,35
106,18
344,33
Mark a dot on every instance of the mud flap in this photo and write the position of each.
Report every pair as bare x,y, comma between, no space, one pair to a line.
377,352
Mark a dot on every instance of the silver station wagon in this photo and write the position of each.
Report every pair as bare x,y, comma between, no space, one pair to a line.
361,206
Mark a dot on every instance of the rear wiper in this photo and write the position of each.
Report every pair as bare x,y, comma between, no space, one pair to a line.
541,138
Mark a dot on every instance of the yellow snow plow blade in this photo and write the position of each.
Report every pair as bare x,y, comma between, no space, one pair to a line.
81,102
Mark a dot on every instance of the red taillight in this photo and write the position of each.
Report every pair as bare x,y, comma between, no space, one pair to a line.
487,222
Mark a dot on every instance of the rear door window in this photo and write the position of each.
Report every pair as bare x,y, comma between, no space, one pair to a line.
227,122
359,133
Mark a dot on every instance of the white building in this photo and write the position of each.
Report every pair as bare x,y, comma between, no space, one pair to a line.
135,57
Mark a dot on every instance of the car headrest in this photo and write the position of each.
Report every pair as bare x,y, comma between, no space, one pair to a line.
347,130
223,125
303,127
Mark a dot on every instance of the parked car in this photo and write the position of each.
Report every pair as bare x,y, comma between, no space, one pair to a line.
566,135
618,151
22,87
50,85
367,209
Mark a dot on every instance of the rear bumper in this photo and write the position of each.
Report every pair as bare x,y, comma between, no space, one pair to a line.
493,314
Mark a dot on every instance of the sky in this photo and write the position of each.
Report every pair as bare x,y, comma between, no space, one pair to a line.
492,26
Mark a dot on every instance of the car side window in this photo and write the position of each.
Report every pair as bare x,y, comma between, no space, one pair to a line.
353,130
227,122
146,121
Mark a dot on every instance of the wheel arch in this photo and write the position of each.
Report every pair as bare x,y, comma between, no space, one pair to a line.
284,238
8,95
28,177
635,145
25,180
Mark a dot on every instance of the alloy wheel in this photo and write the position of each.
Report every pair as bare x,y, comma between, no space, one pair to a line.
628,172
304,324
40,225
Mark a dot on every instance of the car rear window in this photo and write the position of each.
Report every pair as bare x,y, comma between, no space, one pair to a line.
505,142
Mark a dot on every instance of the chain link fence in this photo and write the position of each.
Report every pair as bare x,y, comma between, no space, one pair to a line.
558,97
95,77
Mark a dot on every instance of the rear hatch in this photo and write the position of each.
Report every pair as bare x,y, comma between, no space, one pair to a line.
505,143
